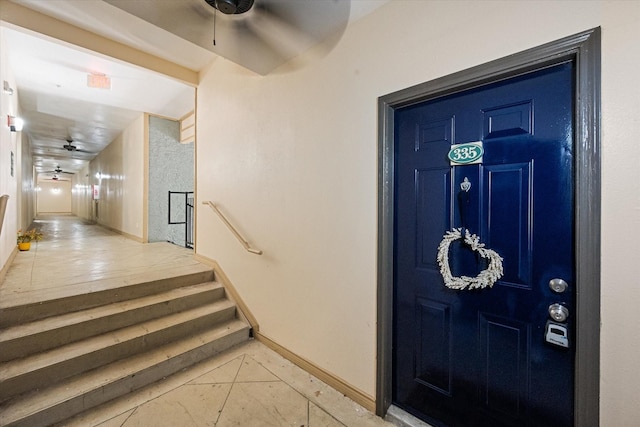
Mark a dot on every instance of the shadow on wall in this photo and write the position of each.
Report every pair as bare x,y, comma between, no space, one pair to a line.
3,207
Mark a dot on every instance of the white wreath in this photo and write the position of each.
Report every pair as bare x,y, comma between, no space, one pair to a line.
486,278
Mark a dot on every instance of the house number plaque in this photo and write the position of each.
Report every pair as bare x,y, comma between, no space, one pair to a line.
468,153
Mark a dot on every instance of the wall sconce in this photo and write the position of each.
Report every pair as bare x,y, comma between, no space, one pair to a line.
6,88
15,123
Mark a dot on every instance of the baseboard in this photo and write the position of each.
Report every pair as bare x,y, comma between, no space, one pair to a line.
343,387
7,265
231,290
124,233
55,214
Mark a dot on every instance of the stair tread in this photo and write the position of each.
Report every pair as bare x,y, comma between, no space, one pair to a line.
33,402
16,367
60,321
12,300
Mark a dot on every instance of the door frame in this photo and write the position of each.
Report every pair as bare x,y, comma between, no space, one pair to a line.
584,50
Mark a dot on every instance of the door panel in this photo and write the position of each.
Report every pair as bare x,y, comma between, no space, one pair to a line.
478,358
504,352
432,184
434,366
508,215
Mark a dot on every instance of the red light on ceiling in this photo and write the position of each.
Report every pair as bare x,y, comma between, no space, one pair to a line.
98,81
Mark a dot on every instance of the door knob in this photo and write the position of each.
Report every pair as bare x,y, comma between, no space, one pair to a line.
558,312
558,285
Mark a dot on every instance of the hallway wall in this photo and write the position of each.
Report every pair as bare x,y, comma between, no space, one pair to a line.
53,197
26,183
292,159
171,167
10,148
81,203
119,171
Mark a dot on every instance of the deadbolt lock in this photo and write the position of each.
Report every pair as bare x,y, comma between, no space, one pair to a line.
558,313
558,285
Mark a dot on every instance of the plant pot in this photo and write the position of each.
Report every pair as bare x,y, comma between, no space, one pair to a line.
24,246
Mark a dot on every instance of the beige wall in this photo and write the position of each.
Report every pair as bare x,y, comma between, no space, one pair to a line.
26,195
10,142
291,157
119,171
81,202
53,197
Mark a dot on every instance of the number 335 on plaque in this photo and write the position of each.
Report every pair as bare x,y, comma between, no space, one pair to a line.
468,153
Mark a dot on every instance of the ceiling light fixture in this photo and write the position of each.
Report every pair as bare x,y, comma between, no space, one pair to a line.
15,123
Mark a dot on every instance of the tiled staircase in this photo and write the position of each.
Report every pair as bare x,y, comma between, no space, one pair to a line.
62,356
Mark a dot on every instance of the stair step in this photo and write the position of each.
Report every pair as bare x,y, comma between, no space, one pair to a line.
67,398
20,375
44,334
82,296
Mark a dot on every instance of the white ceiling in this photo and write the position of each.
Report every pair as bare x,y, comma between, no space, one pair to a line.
58,105
55,100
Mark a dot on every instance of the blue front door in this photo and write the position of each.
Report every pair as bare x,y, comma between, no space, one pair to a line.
492,356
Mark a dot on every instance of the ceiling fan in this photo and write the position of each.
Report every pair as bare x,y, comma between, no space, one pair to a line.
257,34
58,170
231,7
54,178
70,147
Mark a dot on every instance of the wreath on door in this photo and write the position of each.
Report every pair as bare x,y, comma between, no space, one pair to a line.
486,278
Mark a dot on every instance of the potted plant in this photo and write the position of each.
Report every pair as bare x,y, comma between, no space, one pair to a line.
25,238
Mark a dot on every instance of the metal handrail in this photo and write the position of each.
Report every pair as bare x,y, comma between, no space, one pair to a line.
224,219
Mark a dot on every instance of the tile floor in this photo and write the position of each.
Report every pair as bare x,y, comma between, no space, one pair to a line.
248,385
75,255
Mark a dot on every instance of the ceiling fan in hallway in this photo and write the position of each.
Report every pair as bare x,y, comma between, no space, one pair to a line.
58,170
54,178
231,7
69,146
55,175
257,34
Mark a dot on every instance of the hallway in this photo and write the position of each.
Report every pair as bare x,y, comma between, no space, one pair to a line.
76,254
248,385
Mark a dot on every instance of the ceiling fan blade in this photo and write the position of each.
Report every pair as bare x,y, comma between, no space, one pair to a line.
74,148
276,31
315,20
283,40
239,36
283,29
53,179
